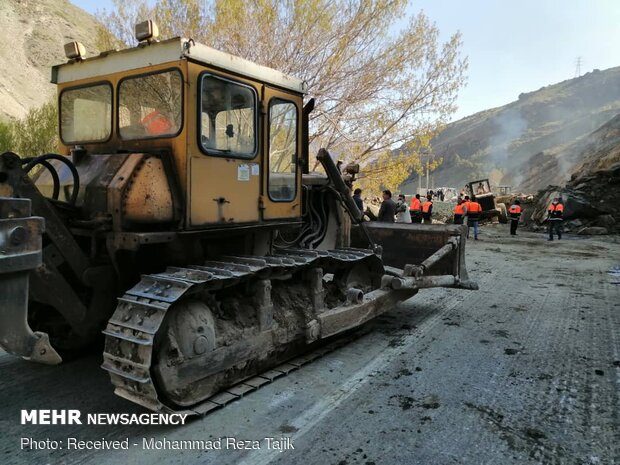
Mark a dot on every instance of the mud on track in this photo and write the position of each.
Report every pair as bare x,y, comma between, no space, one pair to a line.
526,370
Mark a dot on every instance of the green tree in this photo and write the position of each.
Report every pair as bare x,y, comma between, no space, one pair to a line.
6,137
37,133
377,86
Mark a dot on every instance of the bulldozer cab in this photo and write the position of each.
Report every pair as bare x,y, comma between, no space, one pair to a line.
231,128
480,191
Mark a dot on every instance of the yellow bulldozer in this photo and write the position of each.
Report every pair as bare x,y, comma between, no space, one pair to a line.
180,229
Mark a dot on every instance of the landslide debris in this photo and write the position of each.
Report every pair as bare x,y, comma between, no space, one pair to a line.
592,195
591,202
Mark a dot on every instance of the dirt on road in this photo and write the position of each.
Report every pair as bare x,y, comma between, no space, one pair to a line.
524,371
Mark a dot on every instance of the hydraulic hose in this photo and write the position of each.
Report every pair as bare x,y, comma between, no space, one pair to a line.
53,174
42,160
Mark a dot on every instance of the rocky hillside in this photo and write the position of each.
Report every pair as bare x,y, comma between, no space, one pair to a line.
32,35
599,151
592,195
533,142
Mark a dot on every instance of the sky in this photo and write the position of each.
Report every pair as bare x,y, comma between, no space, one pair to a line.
515,46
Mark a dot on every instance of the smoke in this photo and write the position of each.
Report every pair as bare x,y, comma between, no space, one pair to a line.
510,127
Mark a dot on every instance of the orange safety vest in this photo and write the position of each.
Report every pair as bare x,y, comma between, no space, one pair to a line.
156,123
474,207
516,209
458,209
426,206
415,204
556,211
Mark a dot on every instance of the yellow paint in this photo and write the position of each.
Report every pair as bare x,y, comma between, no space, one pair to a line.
205,179
148,199
277,210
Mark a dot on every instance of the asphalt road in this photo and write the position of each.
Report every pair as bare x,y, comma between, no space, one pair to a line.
524,371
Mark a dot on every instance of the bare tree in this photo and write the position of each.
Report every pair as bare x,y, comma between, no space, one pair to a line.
377,87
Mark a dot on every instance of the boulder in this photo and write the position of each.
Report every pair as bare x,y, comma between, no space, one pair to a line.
606,221
591,200
593,231
576,205
540,208
576,223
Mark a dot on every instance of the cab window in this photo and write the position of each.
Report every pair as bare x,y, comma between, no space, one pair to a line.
228,113
86,114
150,105
282,150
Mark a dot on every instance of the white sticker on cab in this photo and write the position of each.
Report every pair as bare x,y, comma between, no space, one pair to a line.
243,172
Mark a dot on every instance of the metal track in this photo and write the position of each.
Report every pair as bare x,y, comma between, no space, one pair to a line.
131,331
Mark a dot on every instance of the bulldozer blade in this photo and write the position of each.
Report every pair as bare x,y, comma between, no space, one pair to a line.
20,252
422,251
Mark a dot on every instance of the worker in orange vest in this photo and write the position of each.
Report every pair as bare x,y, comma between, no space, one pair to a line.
155,124
555,215
415,209
474,209
459,212
514,213
427,209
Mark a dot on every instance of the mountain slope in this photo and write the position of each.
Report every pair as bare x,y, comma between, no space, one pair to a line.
531,142
600,150
32,35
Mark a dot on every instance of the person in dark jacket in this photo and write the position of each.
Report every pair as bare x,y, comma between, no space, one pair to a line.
387,209
357,198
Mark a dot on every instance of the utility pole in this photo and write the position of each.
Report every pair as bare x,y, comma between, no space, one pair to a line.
424,153
419,182
578,63
425,160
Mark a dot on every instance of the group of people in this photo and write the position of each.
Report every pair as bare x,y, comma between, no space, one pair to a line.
438,194
470,209
399,211
420,211
555,216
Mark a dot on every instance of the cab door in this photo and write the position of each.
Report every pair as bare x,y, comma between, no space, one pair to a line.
225,179
281,183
